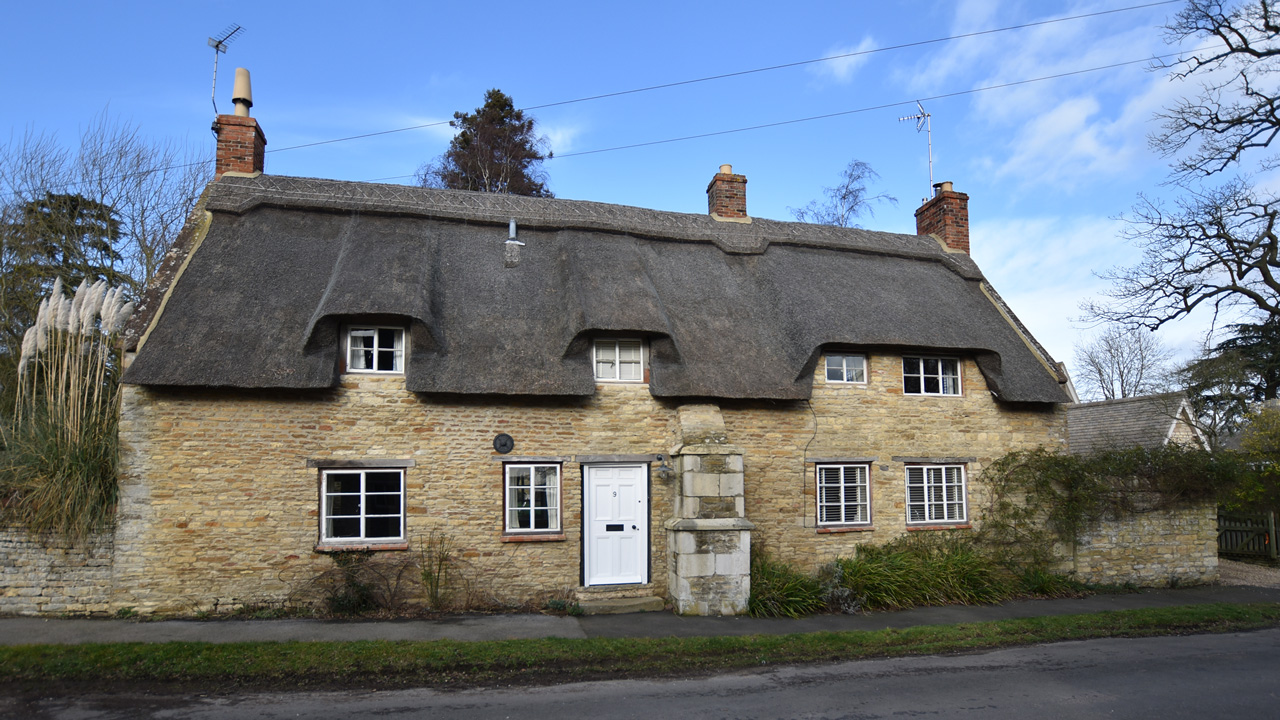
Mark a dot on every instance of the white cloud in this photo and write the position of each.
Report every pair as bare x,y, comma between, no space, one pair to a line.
841,69
1044,267
561,137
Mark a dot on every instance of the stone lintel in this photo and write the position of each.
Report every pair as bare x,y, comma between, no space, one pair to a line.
365,463
843,460
707,448
618,458
709,524
934,460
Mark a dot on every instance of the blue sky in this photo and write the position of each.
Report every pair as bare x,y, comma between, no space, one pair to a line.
1048,166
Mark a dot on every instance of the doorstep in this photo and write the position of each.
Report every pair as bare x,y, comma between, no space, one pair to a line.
618,606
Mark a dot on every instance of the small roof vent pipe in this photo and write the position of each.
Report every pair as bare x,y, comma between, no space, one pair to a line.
242,93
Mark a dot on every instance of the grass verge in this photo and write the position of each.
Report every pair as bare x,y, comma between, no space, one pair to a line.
451,664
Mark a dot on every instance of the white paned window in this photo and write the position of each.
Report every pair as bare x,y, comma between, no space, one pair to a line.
361,505
847,368
844,495
935,493
930,376
375,349
619,360
532,498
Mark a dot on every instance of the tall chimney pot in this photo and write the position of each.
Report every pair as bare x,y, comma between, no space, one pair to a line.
242,147
242,93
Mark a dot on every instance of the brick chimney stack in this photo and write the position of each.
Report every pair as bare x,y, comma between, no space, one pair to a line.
946,215
241,145
727,196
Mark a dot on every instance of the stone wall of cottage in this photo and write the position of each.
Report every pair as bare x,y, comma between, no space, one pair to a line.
1156,548
219,506
51,576
873,421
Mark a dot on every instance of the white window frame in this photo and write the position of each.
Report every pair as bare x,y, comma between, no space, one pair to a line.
363,515
616,370
841,362
941,376
512,506
397,349
936,490
860,485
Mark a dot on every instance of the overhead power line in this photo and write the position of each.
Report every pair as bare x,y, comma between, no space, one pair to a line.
825,116
739,73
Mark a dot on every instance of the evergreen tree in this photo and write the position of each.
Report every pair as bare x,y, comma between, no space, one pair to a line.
495,150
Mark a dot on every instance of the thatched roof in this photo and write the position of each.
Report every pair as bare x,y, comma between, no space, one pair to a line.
732,310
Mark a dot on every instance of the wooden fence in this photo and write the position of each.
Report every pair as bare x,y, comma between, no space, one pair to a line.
1247,534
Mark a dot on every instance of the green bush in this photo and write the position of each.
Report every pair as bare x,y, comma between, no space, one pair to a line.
936,568
779,591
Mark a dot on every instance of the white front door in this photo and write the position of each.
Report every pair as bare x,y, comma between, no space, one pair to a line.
616,524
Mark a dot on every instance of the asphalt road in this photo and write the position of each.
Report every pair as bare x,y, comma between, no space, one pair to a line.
1201,676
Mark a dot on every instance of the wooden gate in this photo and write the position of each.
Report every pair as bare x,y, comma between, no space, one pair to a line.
1247,534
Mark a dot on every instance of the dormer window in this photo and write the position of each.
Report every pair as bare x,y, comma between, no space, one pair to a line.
375,350
619,360
930,376
847,368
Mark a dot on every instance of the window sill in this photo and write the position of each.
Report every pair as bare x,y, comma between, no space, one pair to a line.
360,547
549,537
848,529
940,526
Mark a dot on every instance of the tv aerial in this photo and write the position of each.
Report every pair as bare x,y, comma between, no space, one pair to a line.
924,123
219,45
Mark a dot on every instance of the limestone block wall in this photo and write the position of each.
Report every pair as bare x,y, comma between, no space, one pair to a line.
1149,549
218,504
875,421
49,576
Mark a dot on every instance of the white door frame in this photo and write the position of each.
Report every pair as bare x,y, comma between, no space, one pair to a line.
615,527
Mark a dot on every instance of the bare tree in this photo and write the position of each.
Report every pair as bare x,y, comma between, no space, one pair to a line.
847,200
109,209
1120,363
1236,110
151,186
1216,246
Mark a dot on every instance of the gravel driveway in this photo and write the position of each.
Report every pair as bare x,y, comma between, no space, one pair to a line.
1234,572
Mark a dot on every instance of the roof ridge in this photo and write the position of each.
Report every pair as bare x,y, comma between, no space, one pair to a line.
240,194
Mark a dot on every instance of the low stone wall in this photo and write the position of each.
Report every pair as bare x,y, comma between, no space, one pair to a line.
1150,549
47,576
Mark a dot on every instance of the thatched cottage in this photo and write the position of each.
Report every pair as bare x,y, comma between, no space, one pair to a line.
590,399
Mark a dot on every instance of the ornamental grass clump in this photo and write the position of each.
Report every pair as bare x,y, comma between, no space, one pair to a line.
916,570
59,462
779,591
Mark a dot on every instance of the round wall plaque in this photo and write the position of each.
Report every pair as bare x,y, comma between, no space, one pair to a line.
503,443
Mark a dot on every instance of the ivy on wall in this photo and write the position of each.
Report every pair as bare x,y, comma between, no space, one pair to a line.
1038,498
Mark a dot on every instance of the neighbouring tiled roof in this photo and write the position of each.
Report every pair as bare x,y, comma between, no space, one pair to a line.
732,310
1147,421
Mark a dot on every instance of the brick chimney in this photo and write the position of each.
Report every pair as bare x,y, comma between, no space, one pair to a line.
727,196
241,145
946,215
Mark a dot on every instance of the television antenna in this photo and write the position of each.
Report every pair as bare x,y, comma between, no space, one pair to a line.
923,122
219,45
